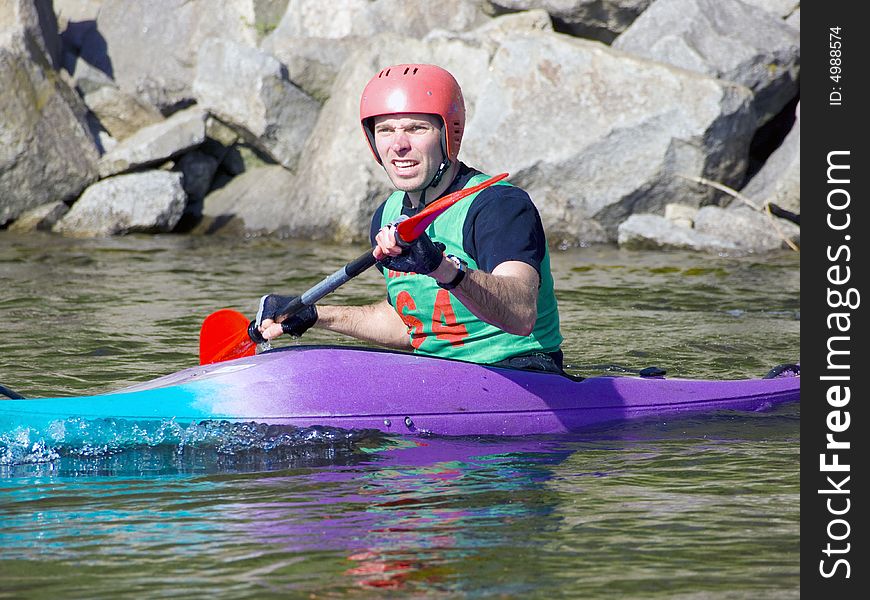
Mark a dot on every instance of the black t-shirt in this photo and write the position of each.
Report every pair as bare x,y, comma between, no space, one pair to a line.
502,224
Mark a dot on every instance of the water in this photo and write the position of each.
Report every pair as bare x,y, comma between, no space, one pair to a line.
697,507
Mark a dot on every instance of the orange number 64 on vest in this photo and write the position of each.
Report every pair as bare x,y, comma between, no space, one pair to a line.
444,324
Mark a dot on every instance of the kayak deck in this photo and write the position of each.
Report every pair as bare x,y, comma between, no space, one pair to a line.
359,388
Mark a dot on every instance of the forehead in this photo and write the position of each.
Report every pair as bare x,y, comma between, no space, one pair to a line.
405,119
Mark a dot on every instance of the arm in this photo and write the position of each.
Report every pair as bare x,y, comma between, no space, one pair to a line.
377,323
506,298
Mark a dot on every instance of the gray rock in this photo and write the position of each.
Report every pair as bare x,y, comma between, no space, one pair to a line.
41,218
314,43
148,202
150,48
722,38
253,202
601,20
779,180
794,19
779,8
46,151
250,90
681,214
653,232
364,18
119,113
33,21
156,143
312,63
745,228
243,157
595,135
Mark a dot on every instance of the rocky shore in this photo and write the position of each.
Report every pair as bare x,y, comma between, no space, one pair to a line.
647,123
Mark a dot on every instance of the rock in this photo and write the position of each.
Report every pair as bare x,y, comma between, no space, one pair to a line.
156,143
46,151
250,90
148,202
33,21
745,228
653,232
312,63
243,157
727,39
681,214
779,8
625,129
794,19
365,18
198,169
779,180
314,43
601,20
254,202
119,113
150,48
41,218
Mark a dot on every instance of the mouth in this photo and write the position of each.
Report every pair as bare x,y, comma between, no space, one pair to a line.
404,166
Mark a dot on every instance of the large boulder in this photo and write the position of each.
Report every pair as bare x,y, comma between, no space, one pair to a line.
150,48
147,202
46,151
249,89
120,113
595,135
156,143
314,42
728,39
748,229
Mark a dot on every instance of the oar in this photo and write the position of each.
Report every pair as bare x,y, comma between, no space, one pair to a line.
227,334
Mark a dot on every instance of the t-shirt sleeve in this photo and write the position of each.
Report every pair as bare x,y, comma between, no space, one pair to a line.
503,224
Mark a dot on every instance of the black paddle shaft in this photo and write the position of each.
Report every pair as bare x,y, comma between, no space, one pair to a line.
326,286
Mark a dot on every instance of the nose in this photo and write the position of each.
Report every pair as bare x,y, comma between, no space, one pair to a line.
401,141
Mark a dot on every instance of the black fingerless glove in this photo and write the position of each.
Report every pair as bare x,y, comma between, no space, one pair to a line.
297,324
420,256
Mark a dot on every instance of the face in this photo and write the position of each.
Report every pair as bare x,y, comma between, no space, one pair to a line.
410,148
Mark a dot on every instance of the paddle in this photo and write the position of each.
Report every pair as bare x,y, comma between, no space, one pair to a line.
227,334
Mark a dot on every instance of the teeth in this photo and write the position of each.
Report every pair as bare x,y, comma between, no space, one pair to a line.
404,163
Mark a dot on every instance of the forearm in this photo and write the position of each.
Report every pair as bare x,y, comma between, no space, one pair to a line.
505,298
376,323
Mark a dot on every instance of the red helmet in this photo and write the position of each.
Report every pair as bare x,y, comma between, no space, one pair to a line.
415,89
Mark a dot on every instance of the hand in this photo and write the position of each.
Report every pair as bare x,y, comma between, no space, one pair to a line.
271,324
420,256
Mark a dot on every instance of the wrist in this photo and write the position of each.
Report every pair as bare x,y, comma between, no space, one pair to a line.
456,271
444,272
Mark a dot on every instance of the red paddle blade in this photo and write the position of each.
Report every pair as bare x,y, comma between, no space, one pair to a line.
224,336
410,229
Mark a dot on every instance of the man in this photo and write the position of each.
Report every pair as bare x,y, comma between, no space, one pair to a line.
477,287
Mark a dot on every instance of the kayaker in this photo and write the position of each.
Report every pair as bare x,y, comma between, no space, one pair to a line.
477,287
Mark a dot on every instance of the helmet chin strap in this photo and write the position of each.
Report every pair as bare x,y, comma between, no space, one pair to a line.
436,179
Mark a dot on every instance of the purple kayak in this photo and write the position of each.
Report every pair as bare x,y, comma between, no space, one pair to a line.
357,388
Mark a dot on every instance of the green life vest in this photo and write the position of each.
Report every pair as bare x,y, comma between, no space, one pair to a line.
439,324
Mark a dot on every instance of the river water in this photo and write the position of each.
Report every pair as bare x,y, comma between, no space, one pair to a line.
701,507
